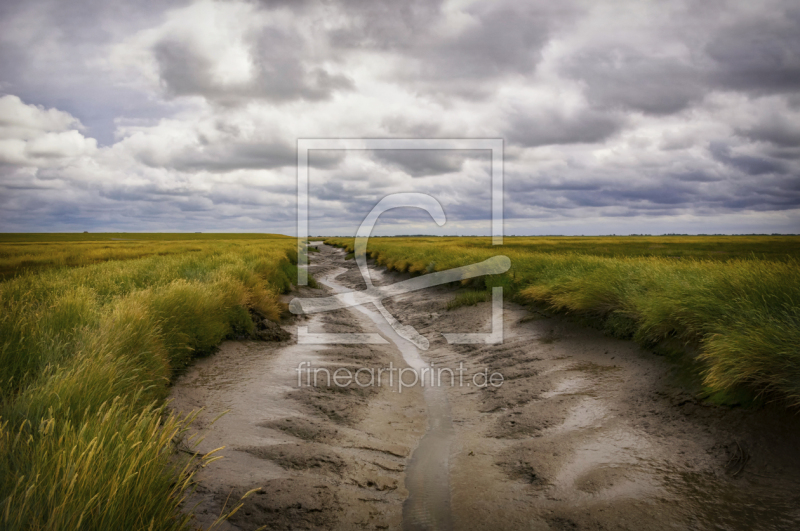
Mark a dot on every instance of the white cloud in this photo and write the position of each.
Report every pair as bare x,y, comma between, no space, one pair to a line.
23,122
31,135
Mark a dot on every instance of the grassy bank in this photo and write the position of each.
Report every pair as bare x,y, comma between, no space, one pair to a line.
86,358
735,299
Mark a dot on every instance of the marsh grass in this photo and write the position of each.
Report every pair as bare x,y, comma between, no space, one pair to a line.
24,253
739,310
468,298
86,358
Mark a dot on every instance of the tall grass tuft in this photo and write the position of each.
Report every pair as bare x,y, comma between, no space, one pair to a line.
86,358
116,472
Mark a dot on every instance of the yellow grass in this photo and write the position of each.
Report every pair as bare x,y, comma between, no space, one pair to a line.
86,357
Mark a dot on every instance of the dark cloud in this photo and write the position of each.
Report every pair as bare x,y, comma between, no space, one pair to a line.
429,162
759,54
550,127
498,39
777,129
505,39
624,77
279,72
384,24
745,163
698,176
225,157
662,194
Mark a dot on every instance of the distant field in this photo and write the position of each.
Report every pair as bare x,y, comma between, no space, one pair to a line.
734,299
684,247
91,333
30,252
36,237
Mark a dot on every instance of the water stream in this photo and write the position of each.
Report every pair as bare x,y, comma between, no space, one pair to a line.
428,470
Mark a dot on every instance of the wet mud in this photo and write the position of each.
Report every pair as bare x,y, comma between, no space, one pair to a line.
586,431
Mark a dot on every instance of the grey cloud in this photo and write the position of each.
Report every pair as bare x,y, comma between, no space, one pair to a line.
654,199
653,194
748,164
505,39
697,176
717,90
325,159
501,38
524,184
403,127
552,128
61,61
661,193
385,24
776,129
760,55
275,197
280,72
225,157
428,162
788,153
195,204
623,77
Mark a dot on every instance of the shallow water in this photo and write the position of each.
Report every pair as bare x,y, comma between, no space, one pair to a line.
428,469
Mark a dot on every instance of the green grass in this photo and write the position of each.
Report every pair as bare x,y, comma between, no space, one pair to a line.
735,300
24,253
468,298
62,237
86,358
716,248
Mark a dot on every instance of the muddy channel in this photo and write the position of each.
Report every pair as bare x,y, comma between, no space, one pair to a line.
585,431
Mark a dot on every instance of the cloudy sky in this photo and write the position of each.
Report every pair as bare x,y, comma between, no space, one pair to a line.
617,117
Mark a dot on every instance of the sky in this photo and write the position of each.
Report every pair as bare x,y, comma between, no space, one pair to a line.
617,117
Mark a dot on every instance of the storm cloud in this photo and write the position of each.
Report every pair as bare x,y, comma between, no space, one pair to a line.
615,116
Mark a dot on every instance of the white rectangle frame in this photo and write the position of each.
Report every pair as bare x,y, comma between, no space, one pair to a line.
304,145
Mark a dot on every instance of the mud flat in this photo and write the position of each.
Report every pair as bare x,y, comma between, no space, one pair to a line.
323,457
586,431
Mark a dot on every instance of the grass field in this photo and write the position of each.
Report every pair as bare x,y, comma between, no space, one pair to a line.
24,253
735,300
92,333
63,237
